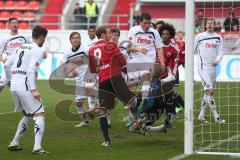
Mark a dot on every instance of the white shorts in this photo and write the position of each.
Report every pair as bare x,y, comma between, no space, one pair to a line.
136,70
208,77
24,100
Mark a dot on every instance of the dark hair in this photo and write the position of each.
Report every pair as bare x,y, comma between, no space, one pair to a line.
146,16
101,30
116,30
12,19
168,27
74,33
39,31
91,27
160,22
154,25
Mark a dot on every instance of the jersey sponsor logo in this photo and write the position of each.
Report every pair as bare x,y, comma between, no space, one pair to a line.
105,66
211,45
143,40
19,72
15,44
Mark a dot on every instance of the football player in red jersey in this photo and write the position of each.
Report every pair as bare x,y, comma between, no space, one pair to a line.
171,52
107,61
181,44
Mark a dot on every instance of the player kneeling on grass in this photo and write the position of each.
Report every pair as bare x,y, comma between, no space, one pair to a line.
21,72
106,59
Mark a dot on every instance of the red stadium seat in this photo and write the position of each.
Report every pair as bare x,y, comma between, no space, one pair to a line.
17,14
1,5
5,15
29,16
2,25
10,5
33,6
22,5
24,25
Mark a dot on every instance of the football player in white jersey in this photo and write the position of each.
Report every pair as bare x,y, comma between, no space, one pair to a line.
8,44
146,44
21,72
92,35
84,78
209,47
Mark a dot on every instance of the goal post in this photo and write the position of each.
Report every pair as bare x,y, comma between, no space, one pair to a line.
213,138
189,62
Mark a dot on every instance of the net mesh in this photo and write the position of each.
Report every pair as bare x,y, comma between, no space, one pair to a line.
214,137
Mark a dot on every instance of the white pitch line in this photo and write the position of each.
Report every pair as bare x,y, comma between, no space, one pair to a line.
4,113
182,156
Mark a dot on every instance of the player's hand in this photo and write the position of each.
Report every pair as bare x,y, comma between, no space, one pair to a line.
143,50
214,63
44,56
36,95
3,59
163,67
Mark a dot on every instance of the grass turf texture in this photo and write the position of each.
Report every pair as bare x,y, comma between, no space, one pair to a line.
64,141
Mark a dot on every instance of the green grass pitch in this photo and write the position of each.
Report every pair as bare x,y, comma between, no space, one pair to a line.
65,142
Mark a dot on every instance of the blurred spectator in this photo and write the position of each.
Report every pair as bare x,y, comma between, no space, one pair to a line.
231,22
200,21
78,15
159,24
91,10
136,18
218,27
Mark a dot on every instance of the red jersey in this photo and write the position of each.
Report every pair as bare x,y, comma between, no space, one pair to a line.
181,55
105,59
171,53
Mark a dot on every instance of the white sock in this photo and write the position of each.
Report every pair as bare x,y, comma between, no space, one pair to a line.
204,106
81,109
92,102
145,89
155,129
22,127
38,130
213,107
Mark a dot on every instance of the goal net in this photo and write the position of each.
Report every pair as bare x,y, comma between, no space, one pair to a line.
216,138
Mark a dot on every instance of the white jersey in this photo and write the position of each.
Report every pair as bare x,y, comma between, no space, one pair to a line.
209,47
10,43
22,66
90,42
83,71
149,40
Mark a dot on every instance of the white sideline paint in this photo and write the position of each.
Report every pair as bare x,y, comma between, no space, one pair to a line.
201,151
4,113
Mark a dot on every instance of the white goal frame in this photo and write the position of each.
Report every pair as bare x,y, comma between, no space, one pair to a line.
189,83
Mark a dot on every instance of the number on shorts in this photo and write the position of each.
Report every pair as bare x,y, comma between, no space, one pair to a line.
19,63
98,55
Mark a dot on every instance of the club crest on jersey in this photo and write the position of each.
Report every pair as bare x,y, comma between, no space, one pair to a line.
143,40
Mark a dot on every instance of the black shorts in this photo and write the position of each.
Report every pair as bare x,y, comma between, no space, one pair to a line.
111,88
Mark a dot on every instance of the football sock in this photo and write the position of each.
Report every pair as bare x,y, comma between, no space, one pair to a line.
22,127
104,127
38,130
